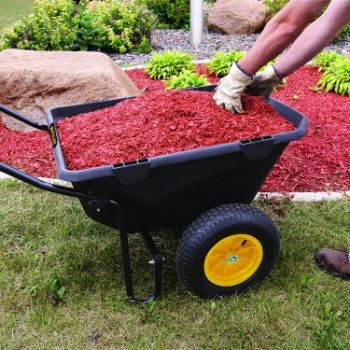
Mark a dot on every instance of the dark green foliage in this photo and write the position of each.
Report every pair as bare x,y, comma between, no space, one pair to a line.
172,14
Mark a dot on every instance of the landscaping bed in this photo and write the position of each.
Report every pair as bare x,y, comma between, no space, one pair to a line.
318,162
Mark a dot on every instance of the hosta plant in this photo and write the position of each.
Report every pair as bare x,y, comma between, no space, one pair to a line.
337,77
325,59
186,79
222,62
168,64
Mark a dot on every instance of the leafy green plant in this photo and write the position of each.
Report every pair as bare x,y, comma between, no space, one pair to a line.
222,62
116,26
57,291
186,79
325,59
172,14
125,25
144,46
87,32
49,27
337,77
168,64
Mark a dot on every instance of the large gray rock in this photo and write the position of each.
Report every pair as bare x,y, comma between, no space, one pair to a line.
238,16
31,82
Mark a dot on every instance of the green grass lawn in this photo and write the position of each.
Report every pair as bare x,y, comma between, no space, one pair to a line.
61,285
12,10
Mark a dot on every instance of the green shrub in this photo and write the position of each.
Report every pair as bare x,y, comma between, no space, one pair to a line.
168,64
337,77
186,79
125,25
325,59
117,26
172,14
49,27
221,63
87,32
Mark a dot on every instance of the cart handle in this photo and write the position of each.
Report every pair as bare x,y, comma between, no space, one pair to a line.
23,118
32,180
44,185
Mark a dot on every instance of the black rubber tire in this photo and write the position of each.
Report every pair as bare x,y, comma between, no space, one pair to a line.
213,226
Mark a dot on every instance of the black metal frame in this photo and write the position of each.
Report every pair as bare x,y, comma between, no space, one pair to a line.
156,258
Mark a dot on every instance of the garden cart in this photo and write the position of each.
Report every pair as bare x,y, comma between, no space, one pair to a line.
228,245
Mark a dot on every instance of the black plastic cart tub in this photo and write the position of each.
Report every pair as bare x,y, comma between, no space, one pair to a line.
173,190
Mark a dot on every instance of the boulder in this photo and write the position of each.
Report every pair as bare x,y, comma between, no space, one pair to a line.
238,16
32,82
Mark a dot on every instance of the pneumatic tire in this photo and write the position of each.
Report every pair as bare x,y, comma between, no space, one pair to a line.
226,250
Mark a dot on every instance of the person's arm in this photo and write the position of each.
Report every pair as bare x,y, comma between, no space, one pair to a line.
280,32
315,37
276,36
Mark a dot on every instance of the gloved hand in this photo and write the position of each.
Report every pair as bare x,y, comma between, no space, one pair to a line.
229,90
264,82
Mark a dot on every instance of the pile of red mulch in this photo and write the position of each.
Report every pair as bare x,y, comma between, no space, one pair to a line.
318,162
161,122
28,151
321,160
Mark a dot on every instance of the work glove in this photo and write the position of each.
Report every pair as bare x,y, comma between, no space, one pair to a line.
230,88
264,83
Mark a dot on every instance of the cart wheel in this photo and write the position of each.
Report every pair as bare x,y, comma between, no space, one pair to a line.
226,250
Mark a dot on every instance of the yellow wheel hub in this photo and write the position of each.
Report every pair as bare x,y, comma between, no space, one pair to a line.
233,260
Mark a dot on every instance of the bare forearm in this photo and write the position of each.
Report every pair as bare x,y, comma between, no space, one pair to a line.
315,37
281,31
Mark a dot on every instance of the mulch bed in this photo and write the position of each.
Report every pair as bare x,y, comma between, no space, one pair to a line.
318,162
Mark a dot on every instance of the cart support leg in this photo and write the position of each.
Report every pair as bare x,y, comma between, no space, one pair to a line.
157,261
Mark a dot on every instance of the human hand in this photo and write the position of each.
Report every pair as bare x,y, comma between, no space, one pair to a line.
264,83
229,90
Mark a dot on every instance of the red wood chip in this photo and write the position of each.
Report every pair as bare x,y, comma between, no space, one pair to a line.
321,160
162,122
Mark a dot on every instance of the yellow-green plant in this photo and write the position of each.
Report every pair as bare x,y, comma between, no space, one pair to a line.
186,79
325,59
125,25
222,62
49,27
112,25
275,5
337,77
168,64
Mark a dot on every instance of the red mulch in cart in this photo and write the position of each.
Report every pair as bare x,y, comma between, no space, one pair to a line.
161,122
